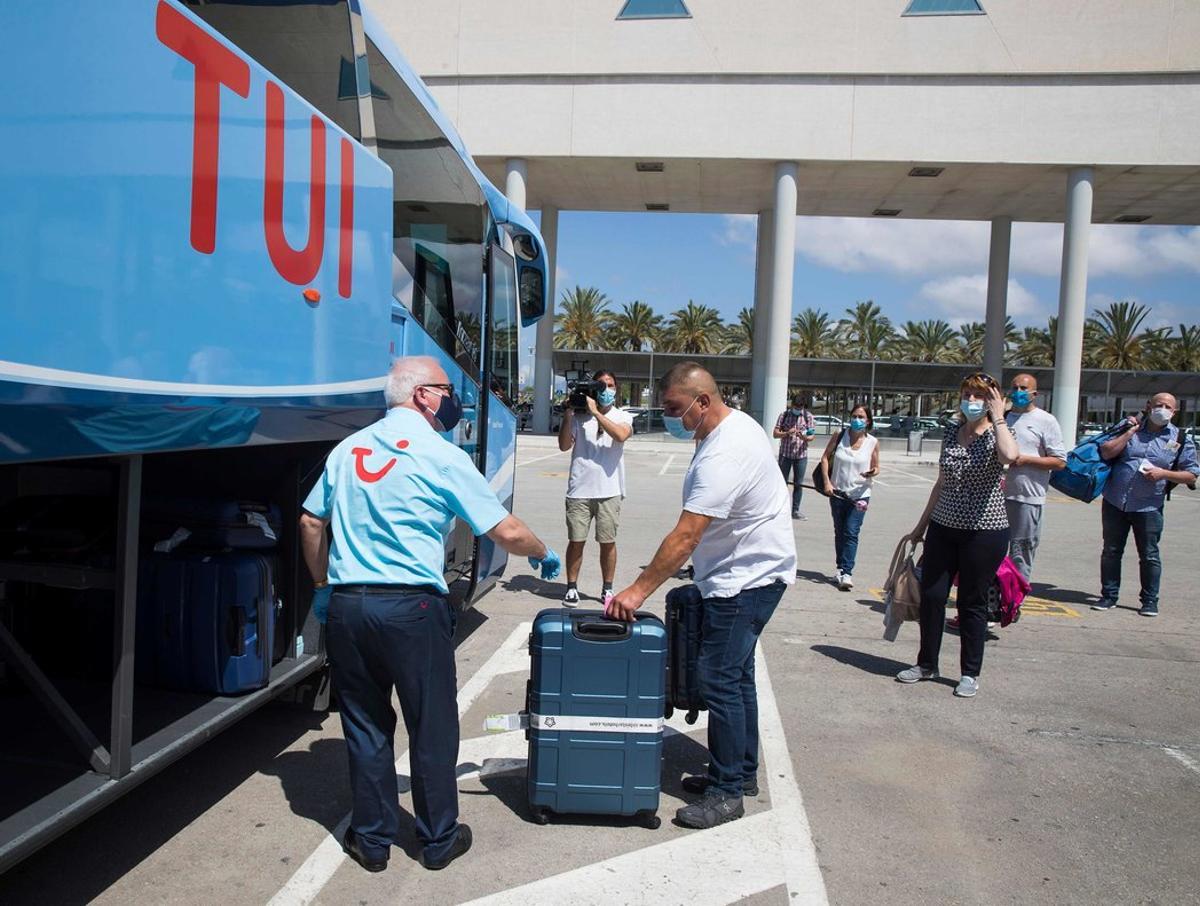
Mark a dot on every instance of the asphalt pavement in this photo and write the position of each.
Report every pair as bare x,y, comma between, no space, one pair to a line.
1073,777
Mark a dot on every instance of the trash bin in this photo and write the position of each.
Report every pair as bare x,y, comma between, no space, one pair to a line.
914,442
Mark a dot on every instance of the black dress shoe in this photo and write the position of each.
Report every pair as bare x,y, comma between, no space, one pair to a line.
352,847
460,845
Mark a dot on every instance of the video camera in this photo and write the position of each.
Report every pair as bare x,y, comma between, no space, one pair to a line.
579,390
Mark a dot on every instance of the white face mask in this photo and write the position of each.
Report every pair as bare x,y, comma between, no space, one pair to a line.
1160,415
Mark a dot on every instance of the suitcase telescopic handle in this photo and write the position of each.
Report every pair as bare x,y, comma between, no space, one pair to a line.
596,630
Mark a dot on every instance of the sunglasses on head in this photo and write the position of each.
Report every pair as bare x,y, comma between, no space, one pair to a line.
982,377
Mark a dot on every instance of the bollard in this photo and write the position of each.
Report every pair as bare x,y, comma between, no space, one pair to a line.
915,439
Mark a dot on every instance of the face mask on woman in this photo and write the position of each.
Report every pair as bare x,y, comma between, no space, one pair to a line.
972,409
606,397
1160,415
858,424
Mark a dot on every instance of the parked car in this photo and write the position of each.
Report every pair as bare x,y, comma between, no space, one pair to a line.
646,421
827,424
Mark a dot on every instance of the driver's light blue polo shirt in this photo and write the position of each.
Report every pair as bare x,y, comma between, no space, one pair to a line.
391,492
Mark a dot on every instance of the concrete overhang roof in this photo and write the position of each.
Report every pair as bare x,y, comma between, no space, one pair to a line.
962,191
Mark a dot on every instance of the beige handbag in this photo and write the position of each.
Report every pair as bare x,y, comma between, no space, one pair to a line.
902,590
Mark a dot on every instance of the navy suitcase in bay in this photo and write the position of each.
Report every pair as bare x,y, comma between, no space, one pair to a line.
213,524
206,622
595,703
685,623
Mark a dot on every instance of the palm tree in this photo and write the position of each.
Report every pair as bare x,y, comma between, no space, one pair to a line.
696,329
1036,346
1183,351
1118,341
739,337
866,333
814,335
636,325
582,320
930,341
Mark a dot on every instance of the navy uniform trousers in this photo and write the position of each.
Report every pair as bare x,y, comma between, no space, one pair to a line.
385,637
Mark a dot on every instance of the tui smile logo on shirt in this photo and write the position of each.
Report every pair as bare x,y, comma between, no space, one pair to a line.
360,463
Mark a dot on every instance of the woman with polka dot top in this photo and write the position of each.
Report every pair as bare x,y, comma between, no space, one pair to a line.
965,529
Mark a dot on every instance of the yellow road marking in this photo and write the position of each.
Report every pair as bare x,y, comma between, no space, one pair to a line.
1031,605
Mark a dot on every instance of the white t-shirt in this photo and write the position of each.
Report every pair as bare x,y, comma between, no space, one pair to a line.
735,479
1038,434
597,461
849,465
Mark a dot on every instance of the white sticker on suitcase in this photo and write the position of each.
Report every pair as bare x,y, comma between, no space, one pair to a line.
586,724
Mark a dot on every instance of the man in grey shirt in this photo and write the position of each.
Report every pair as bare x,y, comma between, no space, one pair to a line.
1039,439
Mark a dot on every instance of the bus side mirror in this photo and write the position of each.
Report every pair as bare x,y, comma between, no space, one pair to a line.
532,289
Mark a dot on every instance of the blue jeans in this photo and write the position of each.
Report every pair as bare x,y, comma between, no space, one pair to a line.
726,673
1147,529
378,640
847,520
797,468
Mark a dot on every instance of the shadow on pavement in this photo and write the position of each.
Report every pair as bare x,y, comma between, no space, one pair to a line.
1063,595
553,591
870,663
809,575
875,604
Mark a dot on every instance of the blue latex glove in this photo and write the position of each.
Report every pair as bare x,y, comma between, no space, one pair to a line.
550,565
320,603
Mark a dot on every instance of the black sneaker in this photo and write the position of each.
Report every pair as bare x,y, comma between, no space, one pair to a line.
1104,604
715,808
1149,610
699,783
460,845
352,846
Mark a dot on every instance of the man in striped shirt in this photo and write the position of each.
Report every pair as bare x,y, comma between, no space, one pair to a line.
793,429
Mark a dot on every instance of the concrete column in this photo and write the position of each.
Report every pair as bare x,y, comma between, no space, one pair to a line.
1072,302
779,305
762,287
516,174
543,366
997,297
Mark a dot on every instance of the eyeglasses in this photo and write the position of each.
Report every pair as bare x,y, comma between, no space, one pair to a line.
449,388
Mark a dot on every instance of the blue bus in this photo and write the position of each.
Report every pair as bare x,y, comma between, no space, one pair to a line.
221,220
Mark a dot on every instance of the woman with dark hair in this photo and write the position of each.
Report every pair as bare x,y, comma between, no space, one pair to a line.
967,529
849,463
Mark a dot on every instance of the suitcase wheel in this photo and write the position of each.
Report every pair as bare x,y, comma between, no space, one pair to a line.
651,820
541,816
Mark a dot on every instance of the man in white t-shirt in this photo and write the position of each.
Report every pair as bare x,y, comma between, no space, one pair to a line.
736,526
596,486
1039,438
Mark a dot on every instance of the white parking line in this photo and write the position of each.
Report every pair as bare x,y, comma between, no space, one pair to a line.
667,464
311,877
540,458
892,468
706,867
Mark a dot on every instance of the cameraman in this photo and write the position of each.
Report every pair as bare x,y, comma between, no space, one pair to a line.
595,431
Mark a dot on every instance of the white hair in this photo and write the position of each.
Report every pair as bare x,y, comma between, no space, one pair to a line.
406,376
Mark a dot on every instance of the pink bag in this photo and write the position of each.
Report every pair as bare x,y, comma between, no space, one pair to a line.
1011,588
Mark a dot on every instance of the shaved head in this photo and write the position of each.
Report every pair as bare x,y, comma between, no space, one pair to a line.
1025,381
1164,399
690,378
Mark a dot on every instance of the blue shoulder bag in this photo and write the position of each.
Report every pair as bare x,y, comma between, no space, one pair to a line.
1086,472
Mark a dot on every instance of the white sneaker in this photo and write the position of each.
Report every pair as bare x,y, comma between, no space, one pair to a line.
845,583
571,598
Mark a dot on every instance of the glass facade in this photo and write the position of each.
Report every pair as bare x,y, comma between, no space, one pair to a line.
654,9
944,8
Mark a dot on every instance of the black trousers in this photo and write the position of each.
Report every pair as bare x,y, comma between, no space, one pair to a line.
404,640
973,556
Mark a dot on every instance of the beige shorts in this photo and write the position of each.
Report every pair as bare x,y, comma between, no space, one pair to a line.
582,510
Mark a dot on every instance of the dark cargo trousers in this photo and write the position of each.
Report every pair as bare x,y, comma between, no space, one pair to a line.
383,637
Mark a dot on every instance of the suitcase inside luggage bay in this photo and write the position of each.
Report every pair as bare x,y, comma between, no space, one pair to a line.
206,622
595,702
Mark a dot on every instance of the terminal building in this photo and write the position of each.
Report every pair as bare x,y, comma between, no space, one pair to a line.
1068,111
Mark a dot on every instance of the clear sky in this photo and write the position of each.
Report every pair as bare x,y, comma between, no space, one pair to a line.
913,269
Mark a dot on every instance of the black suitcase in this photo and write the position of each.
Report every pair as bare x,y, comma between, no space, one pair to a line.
213,524
685,621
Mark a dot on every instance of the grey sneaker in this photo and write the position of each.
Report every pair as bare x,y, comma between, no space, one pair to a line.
715,808
699,783
967,687
916,674
571,598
